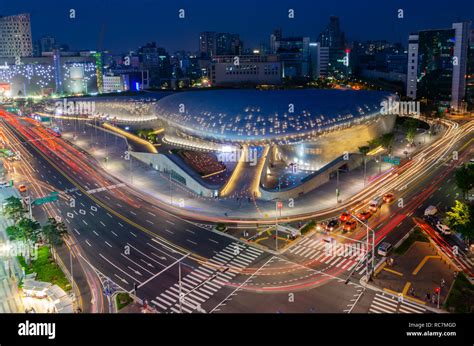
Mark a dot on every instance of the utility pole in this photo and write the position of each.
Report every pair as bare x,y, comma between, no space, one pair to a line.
180,289
367,244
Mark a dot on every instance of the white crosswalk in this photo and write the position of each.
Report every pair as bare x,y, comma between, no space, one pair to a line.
388,304
202,283
317,250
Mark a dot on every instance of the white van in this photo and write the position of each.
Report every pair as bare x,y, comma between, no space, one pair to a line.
431,210
384,249
375,204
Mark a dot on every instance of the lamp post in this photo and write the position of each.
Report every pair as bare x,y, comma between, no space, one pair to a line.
278,206
367,242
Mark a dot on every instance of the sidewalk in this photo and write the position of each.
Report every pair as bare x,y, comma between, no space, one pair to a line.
157,185
10,274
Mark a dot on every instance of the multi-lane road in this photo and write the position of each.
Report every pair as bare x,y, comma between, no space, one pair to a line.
127,238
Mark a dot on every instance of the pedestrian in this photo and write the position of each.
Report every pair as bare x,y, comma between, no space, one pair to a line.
428,296
433,299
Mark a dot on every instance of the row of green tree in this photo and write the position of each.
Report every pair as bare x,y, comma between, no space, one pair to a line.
461,216
28,230
385,141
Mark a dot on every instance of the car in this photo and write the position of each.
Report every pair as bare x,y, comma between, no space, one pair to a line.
388,197
345,217
364,215
431,219
384,249
443,229
349,225
22,188
4,184
375,204
332,225
431,210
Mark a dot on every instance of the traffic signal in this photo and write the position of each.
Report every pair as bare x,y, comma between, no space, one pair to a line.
437,290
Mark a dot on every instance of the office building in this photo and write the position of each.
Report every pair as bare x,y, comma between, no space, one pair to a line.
437,65
294,54
15,36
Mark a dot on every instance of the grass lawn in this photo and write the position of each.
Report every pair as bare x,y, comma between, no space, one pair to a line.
461,296
122,299
46,269
416,235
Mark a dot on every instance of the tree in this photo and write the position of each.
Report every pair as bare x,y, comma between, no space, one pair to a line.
461,219
14,208
410,126
28,229
386,140
53,231
364,150
464,177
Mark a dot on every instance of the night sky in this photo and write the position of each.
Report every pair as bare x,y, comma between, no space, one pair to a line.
131,23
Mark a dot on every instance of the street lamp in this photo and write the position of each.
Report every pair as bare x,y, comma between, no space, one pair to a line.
278,205
373,246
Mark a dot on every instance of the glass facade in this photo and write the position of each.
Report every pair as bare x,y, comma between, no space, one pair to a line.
435,64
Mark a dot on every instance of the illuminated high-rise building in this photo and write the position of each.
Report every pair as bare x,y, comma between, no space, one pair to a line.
15,36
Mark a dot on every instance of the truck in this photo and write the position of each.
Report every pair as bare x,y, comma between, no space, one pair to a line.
431,210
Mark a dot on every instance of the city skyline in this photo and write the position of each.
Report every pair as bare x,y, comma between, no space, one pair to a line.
121,31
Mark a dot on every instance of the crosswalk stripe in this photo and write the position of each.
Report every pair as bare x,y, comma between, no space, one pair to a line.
301,248
206,291
321,255
217,261
251,259
195,283
385,301
349,264
200,271
313,255
163,301
374,311
168,292
224,256
383,308
407,310
305,240
344,261
413,305
307,250
159,305
198,275
228,252
339,261
164,295
207,286
257,252
213,284
240,261
333,260
210,272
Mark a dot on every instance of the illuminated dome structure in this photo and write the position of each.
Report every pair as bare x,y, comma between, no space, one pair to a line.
277,116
